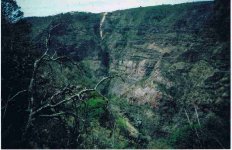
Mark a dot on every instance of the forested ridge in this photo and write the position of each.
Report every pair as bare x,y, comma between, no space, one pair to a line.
153,77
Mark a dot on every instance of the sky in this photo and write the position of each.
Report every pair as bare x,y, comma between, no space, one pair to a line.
53,7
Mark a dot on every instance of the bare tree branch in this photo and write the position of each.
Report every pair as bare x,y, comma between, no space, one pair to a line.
18,93
37,64
78,95
104,79
198,120
54,115
187,117
13,97
11,100
58,59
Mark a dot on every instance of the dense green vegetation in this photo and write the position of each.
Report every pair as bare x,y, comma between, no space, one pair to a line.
159,77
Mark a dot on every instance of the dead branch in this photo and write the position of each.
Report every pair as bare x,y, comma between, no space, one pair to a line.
54,115
100,82
190,124
18,93
198,120
13,97
49,105
75,96
187,117
60,58
59,114
37,64
60,92
11,100
108,78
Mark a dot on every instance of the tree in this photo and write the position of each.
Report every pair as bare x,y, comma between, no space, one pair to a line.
11,12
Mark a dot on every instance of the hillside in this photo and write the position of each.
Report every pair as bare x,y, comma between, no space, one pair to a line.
173,64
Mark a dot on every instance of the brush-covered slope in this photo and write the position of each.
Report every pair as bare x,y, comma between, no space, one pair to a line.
175,63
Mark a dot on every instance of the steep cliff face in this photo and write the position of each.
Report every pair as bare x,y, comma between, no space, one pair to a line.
141,40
